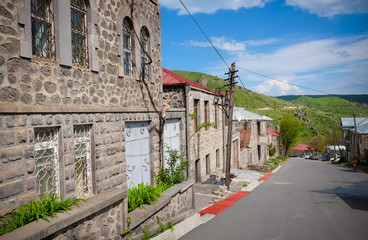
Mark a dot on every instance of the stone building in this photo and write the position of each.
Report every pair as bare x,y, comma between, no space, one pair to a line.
204,124
254,137
80,100
354,139
275,141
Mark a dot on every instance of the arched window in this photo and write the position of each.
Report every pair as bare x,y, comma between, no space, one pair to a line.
42,20
144,37
127,46
78,14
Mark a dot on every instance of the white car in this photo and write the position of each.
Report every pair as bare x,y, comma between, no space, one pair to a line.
332,160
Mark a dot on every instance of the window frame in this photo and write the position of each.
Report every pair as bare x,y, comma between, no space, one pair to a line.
145,50
79,34
206,114
128,46
87,180
49,20
55,167
196,111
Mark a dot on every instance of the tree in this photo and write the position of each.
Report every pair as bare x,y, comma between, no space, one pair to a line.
317,143
289,130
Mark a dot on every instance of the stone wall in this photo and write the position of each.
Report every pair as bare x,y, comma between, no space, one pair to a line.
174,96
173,204
206,142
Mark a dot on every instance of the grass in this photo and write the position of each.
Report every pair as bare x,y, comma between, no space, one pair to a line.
361,166
144,194
274,163
44,207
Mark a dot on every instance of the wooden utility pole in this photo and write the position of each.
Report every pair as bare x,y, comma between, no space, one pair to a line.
231,85
334,135
357,153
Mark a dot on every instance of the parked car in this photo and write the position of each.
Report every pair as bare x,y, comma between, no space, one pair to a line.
306,156
314,157
332,160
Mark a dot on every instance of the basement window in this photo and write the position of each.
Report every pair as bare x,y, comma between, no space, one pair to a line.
82,161
47,161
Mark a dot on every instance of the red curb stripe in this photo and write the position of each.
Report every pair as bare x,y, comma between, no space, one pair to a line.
282,163
265,177
224,204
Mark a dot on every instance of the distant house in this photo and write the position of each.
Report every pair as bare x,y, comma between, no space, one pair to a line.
254,137
334,151
275,140
203,122
355,140
302,148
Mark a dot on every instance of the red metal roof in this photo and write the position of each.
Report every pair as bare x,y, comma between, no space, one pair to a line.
172,79
272,132
244,137
303,147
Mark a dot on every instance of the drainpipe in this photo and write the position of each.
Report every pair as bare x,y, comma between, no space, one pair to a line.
187,122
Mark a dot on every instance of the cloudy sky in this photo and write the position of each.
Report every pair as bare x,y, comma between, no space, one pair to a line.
298,44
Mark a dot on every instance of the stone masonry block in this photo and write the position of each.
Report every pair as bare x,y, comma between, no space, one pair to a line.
7,205
31,183
29,151
68,132
30,166
7,137
26,198
11,188
13,169
11,154
22,135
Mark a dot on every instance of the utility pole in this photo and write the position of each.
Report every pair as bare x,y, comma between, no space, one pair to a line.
231,85
357,153
334,135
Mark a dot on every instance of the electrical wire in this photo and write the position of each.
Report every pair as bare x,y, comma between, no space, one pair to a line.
200,28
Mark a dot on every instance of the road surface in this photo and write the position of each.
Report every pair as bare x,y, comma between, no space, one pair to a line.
305,199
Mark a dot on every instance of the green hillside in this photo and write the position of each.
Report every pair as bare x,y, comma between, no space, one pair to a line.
358,98
316,113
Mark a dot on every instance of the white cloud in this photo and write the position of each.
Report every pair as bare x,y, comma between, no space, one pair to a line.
211,6
261,42
221,43
330,8
276,88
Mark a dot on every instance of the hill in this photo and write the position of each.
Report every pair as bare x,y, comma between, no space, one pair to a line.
358,98
319,115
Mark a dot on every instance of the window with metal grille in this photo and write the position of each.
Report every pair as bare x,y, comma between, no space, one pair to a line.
78,15
82,161
196,120
42,18
206,114
144,53
127,46
47,161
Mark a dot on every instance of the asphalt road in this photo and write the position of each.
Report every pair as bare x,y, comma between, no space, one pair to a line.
305,199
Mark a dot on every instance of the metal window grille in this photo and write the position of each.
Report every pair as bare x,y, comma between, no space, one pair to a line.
128,46
144,50
82,163
78,14
206,110
196,120
43,40
47,165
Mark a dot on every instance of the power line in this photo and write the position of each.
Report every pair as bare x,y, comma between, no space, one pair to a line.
283,81
218,53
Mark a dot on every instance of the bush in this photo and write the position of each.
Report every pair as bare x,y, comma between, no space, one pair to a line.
174,173
271,150
44,207
143,194
347,164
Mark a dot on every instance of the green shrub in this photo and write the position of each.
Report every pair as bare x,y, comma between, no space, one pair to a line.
174,173
44,207
143,194
347,164
271,150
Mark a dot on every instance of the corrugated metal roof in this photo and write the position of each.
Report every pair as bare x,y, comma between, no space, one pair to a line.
172,79
242,114
341,147
349,122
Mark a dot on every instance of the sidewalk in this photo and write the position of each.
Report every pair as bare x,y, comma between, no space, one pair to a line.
205,200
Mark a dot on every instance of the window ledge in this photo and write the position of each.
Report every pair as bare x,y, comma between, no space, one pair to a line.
41,229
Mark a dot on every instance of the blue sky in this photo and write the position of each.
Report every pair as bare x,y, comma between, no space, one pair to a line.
317,44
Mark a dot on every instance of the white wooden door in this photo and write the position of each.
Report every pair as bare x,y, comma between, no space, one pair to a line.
171,137
137,153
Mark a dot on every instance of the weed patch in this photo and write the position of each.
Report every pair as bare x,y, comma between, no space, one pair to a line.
44,207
